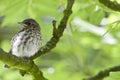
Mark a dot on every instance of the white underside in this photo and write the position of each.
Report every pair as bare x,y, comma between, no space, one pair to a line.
31,47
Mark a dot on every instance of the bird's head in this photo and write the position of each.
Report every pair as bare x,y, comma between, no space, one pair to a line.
29,23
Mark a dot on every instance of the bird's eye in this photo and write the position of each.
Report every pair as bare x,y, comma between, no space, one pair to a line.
27,23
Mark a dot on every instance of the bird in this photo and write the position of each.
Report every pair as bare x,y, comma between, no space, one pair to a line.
28,40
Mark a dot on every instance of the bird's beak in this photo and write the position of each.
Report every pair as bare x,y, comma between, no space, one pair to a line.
21,23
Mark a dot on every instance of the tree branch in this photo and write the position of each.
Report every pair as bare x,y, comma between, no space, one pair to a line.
20,63
111,4
102,74
27,64
57,32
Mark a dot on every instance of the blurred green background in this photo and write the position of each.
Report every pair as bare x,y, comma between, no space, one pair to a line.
90,42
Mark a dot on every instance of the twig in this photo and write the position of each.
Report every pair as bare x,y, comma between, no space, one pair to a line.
102,74
111,4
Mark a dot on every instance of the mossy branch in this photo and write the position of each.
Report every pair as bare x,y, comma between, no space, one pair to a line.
23,64
28,65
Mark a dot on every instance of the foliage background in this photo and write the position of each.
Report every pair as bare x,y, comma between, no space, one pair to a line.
90,42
